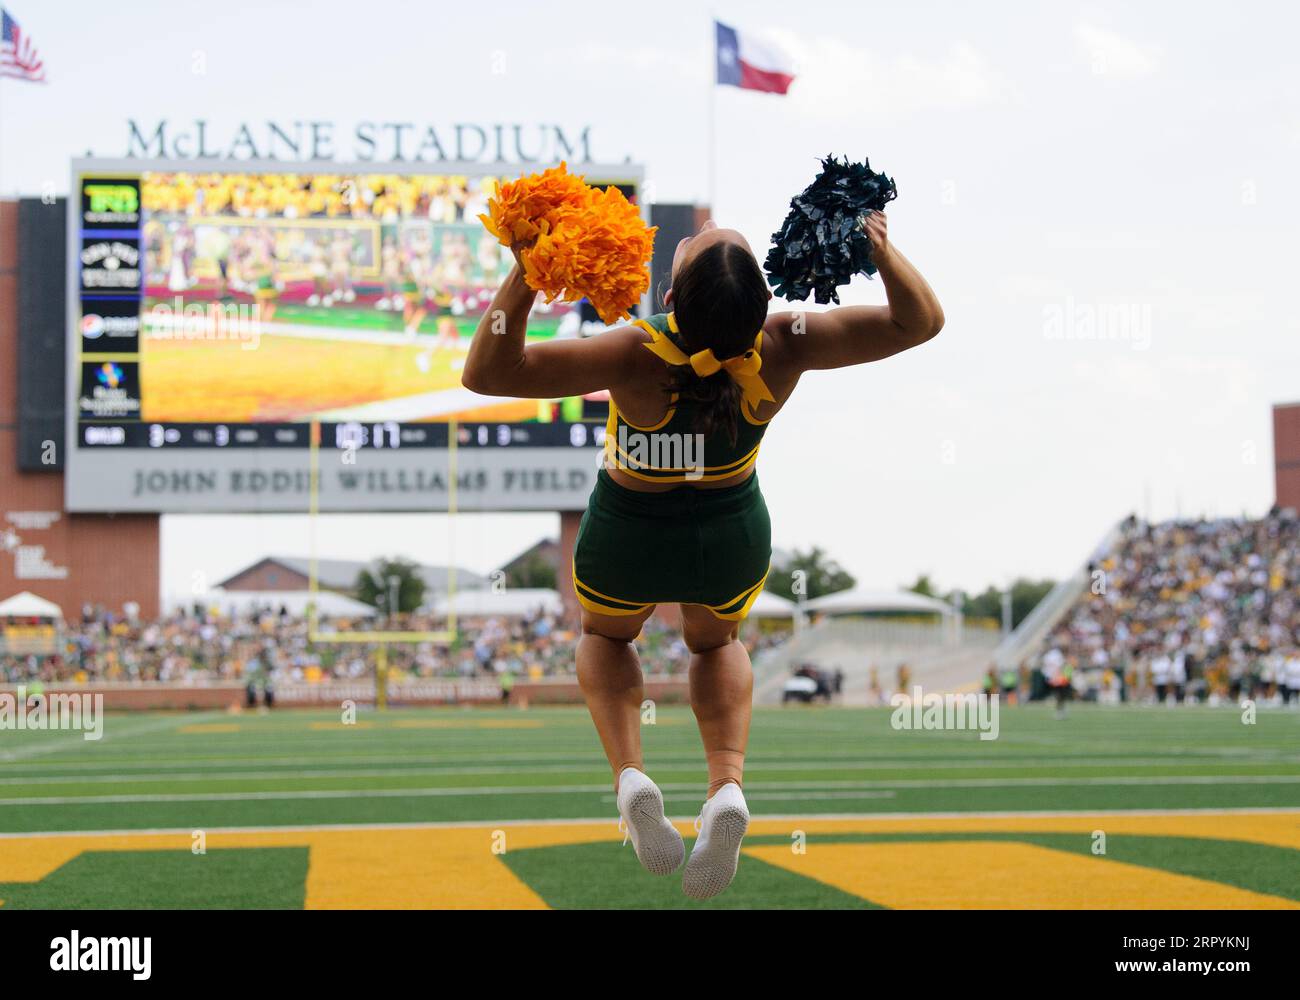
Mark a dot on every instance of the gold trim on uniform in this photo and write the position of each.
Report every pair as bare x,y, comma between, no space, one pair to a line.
743,613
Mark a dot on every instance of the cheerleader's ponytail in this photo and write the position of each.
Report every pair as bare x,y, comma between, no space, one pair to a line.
720,303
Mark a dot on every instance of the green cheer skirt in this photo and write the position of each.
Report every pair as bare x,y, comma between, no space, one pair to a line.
685,546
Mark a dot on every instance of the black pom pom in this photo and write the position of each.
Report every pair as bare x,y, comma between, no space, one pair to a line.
821,244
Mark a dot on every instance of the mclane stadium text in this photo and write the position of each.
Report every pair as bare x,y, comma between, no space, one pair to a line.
383,142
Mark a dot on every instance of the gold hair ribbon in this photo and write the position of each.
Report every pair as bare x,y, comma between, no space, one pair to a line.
704,363
744,368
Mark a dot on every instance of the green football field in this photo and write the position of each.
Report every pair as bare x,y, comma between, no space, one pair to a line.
1125,806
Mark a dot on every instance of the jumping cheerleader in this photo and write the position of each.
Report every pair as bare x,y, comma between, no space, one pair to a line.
341,250
413,307
318,268
712,372
390,271
265,290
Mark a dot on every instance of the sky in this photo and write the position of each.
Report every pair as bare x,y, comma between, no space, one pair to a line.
1102,195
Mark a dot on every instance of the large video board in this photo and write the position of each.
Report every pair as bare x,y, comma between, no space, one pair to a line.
218,312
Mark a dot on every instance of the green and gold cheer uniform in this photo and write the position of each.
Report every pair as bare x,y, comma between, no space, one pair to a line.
686,545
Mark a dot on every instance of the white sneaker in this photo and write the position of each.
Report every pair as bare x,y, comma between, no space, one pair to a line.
722,825
657,843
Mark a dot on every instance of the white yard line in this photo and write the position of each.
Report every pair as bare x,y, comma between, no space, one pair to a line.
312,331
422,406
76,738
384,793
602,820
753,796
215,774
511,761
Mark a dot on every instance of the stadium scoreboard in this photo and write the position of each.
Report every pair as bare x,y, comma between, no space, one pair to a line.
219,312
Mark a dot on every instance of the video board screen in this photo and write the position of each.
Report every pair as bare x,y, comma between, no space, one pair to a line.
235,307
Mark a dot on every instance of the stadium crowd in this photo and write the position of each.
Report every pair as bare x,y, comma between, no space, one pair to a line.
192,647
383,197
1196,609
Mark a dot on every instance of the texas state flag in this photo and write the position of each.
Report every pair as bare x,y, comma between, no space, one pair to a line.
748,62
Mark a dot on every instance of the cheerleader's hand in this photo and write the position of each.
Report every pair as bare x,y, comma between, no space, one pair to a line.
518,248
876,226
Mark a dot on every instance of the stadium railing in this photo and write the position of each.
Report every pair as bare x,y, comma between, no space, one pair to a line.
1031,632
857,645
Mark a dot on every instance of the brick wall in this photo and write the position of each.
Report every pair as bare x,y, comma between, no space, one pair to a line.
569,521
181,697
110,559
1286,454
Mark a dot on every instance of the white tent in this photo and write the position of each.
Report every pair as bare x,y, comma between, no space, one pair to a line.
860,601
770,605
295,602
508,603
28,605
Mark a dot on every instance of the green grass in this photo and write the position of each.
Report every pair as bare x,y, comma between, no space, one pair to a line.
249,878
369,318
549,872
290,768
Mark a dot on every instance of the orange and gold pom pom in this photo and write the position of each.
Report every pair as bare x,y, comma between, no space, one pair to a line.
586,243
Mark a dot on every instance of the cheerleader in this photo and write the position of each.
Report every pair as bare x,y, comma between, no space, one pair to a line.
265,291
690,528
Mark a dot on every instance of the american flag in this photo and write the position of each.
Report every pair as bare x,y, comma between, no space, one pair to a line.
17,56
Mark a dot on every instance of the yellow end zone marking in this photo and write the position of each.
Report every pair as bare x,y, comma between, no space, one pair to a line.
452,865
210,727
415,868
1280,829
997,875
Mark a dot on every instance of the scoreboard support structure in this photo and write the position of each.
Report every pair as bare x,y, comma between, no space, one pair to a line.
381,638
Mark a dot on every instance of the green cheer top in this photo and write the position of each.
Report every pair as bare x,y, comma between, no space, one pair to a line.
672,451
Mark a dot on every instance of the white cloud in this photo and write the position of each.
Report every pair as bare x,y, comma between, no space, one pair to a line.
1108,241
832,76
1110,54
1023,286
672,62
1220,385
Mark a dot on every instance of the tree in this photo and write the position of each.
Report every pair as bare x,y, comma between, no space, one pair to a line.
820,575
985,605
374,585
923,586
1025,594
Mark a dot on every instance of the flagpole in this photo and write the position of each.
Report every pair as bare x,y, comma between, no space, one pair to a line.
711,137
